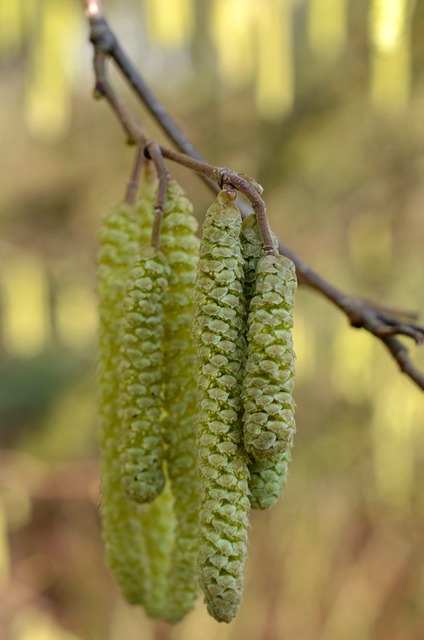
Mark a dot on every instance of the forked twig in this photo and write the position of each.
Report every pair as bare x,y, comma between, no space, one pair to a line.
383,323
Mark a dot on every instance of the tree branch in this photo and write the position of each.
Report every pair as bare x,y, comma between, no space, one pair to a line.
361,314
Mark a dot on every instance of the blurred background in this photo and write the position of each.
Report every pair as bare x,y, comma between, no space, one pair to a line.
322,101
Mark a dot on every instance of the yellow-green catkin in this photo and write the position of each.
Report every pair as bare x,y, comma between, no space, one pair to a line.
180,247
268,477
158,520
219,321
121,524
142,451
268,418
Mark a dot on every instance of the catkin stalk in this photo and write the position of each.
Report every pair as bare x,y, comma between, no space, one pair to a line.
180,247
218,331
268,477
121,524
145,206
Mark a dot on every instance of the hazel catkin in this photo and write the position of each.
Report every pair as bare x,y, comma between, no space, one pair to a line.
180,247
142,453
268,418
158,523
121,524
267,478
219,317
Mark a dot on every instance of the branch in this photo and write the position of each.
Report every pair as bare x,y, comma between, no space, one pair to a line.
362,314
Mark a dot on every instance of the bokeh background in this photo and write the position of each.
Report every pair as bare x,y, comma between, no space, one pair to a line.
323,102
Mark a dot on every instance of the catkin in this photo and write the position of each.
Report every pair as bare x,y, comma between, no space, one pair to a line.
218,331
121,524
268,418
180,247
267,478
158,520
142,453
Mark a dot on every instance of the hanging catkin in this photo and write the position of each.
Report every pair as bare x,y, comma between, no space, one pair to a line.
158,520
180,247
267,477
121,524
268,383
142,453
218,330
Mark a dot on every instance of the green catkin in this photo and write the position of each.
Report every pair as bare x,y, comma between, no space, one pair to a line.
180,247
268,477
158,522
219,319
268,418
142,453
121,525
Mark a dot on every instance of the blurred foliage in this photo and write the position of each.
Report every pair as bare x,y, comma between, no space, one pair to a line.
322,102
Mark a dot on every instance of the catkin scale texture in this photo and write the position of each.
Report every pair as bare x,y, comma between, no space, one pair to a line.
142,453
158,520
268,418
121,524
267,478
219,317
180,247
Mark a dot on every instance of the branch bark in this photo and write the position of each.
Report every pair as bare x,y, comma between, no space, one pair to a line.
361,314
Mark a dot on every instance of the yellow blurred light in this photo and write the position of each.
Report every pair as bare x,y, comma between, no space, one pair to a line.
396,428
76,316
11,24
30,623
26,327
352,369
304,346
4,547
391,78
391,54
232,31
170,22
388,21
30,13
275,67
327,24
52,68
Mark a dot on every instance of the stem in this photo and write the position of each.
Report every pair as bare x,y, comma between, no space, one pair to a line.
134,181
154,152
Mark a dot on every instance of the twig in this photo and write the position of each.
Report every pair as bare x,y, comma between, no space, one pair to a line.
360,313
213,174
134,181
154,152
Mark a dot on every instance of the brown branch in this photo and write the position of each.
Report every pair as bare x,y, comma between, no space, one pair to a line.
134,181
222,176
360,313
154,152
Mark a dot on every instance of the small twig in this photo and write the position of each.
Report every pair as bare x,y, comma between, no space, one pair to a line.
361,313
401,355
219,175
134,181
154,153
244,185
